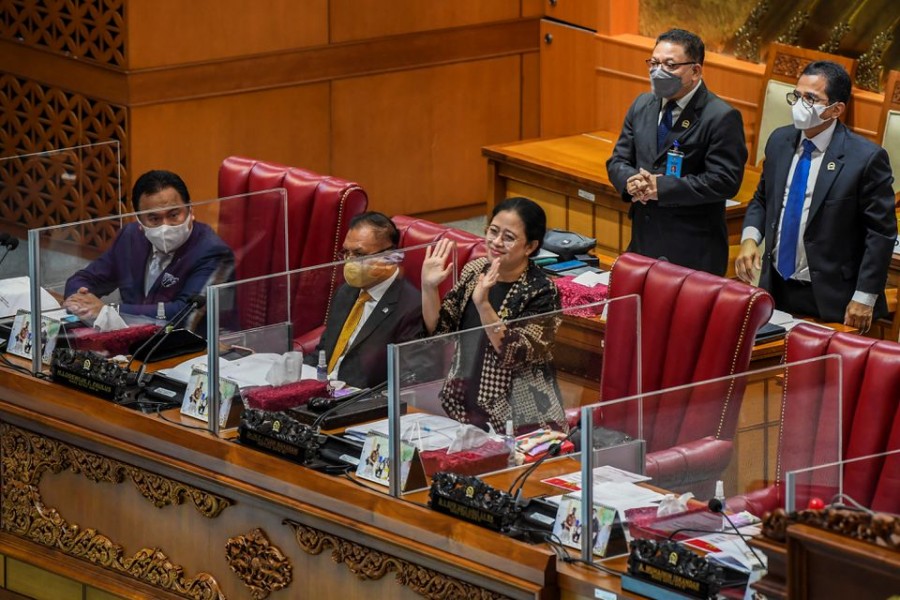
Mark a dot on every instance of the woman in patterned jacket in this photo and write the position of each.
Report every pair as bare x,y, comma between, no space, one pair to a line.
503,369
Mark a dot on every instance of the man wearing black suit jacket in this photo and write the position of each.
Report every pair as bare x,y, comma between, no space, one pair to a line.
824,207
375,307
679,216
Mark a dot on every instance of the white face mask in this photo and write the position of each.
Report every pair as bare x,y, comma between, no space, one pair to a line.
169,238
806,118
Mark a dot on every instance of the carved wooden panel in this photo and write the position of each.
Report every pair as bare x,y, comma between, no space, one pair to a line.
84,181
789,65
83,29
261,565
368,563
27,457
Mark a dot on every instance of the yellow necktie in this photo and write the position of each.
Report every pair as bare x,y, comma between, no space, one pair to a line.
349,326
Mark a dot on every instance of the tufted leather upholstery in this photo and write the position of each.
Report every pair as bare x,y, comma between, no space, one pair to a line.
694,327
319,209
414,232
870,418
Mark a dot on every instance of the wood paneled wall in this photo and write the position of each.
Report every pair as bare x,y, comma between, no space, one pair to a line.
399,97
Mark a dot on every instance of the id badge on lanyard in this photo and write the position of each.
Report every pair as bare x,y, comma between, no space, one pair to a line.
674,158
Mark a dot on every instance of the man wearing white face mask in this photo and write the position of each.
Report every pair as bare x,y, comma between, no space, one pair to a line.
165,257
679,157
824,207
376,306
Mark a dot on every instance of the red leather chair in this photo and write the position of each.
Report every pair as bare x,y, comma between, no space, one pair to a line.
319,210
870,420
694,327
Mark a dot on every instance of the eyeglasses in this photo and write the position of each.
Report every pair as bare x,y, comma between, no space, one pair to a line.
671,67
353,254
807,100
507,238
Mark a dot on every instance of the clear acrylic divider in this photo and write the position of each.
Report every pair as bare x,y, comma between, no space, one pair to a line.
524,379
112,296
253,322
862,482
731,439
66,185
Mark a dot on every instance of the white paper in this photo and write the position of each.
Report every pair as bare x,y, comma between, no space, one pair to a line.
621,495
604,474
16,295
590,279
731,202
426,432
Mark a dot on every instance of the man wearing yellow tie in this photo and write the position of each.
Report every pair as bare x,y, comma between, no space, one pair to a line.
376,306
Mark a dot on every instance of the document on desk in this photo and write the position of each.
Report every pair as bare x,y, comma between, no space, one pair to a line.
786,320
623,495
727,548
604,474
591,279
426,432
248,371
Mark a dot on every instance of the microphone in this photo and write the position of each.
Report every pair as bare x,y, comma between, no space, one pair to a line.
11,243
338,404
552,451
194,303
717,506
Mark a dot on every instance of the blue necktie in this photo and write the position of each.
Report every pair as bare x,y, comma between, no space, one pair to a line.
790,221
665,125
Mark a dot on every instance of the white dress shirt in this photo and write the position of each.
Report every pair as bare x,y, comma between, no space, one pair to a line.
680,105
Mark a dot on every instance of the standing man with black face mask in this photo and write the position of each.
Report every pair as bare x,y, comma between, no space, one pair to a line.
165,257
824,207
680,155
376,306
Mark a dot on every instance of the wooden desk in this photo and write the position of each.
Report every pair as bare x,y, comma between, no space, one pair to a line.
567,177
96,492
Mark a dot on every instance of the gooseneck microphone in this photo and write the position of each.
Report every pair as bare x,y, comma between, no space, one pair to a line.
195,302
352,399
8,242
717,506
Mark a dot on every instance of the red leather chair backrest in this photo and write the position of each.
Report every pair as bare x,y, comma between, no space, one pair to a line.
319,210
694,327
870,412
414,232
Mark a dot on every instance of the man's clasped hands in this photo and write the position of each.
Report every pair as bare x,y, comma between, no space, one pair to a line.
642,186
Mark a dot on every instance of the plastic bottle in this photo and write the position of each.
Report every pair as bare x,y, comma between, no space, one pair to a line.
160,311
510,440
322,367
720,496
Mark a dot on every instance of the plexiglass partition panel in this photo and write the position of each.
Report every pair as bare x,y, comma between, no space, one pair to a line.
41,189
255,322
863,482
731,439
151,271
462,400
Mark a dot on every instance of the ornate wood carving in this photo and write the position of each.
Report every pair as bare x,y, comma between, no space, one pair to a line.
791,34
86,175
789,66
748,36
895,94
871,63
879,529
262,566
837,33
26,457
84,29
367,563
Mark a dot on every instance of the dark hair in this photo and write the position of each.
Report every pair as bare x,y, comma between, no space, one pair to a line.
381,223
153,182
837,80
532,215
690,42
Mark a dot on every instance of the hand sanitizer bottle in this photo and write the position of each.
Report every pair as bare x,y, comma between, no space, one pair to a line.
720,496
322,367
160,311
510,440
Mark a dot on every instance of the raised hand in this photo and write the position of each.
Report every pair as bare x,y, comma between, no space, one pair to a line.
436,266
485,282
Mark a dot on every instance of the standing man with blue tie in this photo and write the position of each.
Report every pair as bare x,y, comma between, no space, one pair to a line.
679,157
825,208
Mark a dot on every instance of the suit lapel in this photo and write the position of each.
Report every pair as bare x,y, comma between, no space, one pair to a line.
782,167
650,124
342,305
383,309
829,170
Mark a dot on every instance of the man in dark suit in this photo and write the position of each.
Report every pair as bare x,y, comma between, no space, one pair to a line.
165,257
824,207
376,306
680,155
